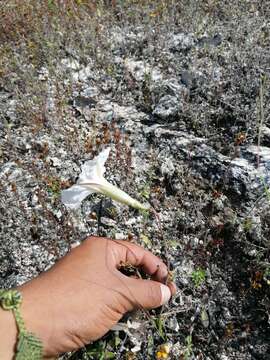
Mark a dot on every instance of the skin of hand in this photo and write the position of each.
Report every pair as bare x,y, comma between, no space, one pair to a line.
84,294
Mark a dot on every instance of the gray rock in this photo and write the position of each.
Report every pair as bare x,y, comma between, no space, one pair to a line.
128,113
260,156
181,42
43,74
78,71
184,271
83,101
54,161
187,78
210,41
107,222
139,70
167,167
120,236
265,134
165,87
11,172
255,228
11,110
108,110
240,175
173,324
220,290
224,357
70,64
226,314
167,108
167,97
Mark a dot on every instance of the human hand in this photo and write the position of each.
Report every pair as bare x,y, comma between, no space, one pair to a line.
81,297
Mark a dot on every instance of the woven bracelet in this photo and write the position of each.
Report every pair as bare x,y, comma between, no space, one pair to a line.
28,345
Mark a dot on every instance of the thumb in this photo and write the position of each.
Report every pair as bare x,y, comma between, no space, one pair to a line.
148,294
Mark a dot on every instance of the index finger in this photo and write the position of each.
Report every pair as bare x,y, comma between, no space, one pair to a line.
139,257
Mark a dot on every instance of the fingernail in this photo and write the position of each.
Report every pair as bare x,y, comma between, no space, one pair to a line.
165,294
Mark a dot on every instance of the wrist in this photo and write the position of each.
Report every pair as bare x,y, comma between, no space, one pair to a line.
37,317
42,312
8,334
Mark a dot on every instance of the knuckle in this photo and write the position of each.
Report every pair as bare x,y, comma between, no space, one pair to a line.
90,239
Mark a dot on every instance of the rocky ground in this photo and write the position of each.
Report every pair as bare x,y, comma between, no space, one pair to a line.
180,91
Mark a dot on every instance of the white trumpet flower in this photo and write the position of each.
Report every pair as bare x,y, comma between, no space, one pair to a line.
91,180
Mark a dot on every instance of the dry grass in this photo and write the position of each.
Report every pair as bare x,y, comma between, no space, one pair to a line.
38,34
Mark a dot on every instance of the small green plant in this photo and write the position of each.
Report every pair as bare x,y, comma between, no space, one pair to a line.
266,189
99,351
188,350
198,277
51,5
247,225
54,186
266,275
160,327
145,239
145,191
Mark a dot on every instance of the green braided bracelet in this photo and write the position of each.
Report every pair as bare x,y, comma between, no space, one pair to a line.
28,347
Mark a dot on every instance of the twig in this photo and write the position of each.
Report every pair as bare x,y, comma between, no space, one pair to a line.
261,116
99,214
162,237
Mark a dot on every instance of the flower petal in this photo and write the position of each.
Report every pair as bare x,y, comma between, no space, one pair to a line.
73,196
94,169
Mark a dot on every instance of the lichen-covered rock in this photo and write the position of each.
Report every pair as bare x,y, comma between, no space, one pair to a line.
184,103
181,42
167,108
